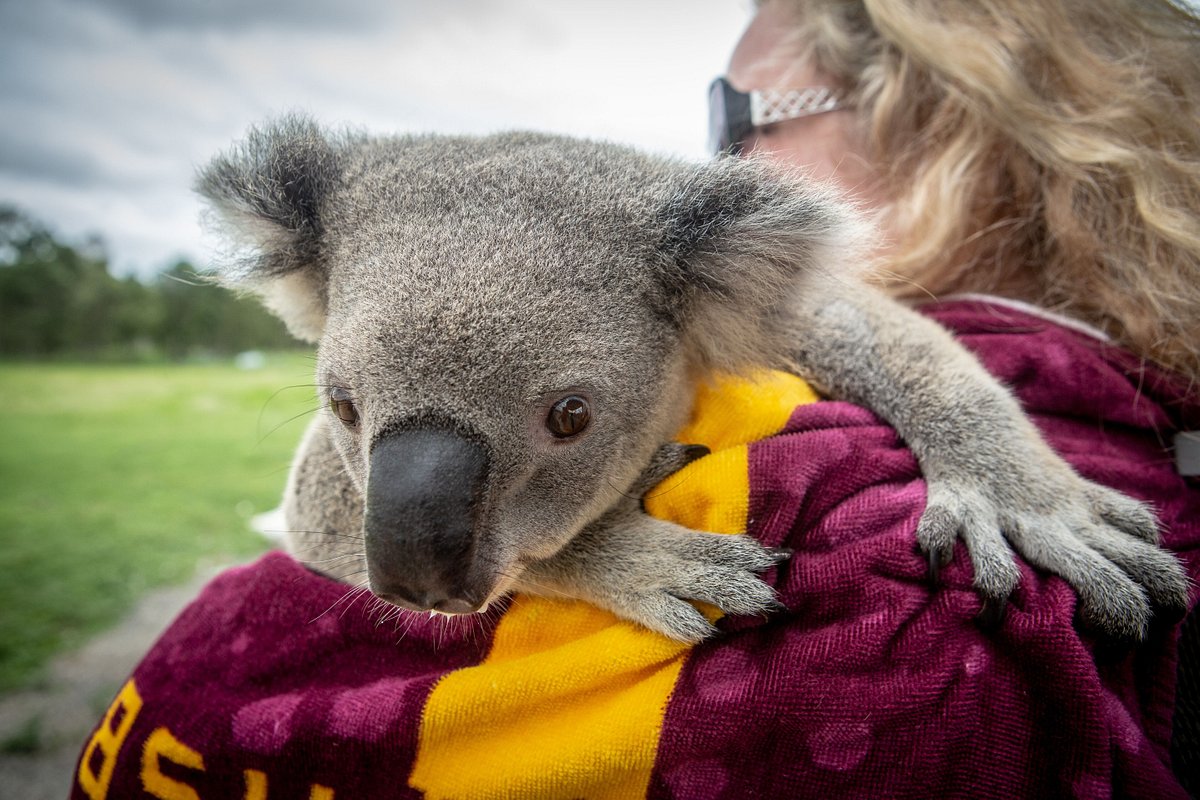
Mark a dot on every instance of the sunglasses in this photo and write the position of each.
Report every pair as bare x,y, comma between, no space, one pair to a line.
733,115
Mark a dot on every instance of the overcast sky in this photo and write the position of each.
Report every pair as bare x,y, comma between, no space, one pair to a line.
108,106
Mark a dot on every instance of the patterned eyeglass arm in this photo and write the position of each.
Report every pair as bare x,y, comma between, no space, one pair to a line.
773,105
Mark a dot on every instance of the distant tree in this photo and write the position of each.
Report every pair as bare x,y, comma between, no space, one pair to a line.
51,294
201,315
60,299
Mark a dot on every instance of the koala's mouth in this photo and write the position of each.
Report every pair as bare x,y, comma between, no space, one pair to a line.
481,610
448,606
459,604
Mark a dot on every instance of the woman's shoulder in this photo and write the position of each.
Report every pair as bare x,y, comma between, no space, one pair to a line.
1057,365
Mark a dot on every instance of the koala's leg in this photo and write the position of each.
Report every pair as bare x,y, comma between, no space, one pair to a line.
991,478
645,569
323,509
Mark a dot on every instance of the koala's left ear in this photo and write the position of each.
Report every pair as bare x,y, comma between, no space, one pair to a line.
268,193
742,241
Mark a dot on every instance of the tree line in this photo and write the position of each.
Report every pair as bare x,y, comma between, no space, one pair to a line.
59,299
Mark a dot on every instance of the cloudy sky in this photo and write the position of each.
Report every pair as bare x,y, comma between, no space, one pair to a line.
108,106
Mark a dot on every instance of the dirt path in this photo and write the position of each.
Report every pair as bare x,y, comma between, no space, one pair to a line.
42,730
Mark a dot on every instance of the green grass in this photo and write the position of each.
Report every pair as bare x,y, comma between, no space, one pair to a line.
116,479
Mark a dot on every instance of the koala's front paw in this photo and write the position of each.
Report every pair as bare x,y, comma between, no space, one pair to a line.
646,569
1098,540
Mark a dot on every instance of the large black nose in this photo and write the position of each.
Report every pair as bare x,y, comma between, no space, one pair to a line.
423,501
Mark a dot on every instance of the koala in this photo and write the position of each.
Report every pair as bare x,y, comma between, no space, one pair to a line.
510,328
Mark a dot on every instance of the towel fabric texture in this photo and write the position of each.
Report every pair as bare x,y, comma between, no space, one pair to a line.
870,682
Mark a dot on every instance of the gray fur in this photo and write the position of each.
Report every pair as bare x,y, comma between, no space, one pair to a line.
467,283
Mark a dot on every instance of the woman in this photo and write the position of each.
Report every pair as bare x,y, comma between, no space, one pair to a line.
1046,153
867,681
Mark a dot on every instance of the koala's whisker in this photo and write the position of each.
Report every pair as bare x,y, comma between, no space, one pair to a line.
335,535
287,421
466,629
313,532
409,620
402,619
489,617
283,389
375,608
471,627
290,531
387,615
544,589
357,573
347,599
352,592
330,560
439,636
676,485
339,539
204,280
275,394
620,491
391,613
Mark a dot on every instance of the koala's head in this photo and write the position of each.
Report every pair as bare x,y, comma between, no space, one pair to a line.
509,326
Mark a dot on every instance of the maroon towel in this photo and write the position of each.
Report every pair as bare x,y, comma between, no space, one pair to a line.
870,683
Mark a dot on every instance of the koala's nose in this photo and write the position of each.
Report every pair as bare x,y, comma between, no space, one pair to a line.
422,504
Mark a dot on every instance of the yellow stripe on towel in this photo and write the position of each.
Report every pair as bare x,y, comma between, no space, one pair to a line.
713,494
569,702
732,411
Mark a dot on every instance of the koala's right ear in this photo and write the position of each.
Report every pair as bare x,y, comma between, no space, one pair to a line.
741,241
268,195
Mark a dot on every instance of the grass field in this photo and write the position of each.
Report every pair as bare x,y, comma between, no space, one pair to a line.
115,479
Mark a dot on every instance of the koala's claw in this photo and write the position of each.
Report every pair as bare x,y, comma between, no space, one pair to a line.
936,557
667,460
1099,541
991,613
936,534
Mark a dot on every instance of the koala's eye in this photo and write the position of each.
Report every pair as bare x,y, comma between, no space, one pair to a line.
568,416
343,408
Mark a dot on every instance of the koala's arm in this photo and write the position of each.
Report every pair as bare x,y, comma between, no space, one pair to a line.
646,569
992,480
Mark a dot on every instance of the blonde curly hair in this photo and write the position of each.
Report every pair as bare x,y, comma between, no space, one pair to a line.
1047,150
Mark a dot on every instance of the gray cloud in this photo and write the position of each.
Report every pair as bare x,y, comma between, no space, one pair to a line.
109,105
30,157
240,15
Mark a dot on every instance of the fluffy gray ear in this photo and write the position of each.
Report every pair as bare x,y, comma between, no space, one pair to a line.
741,240
268,194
